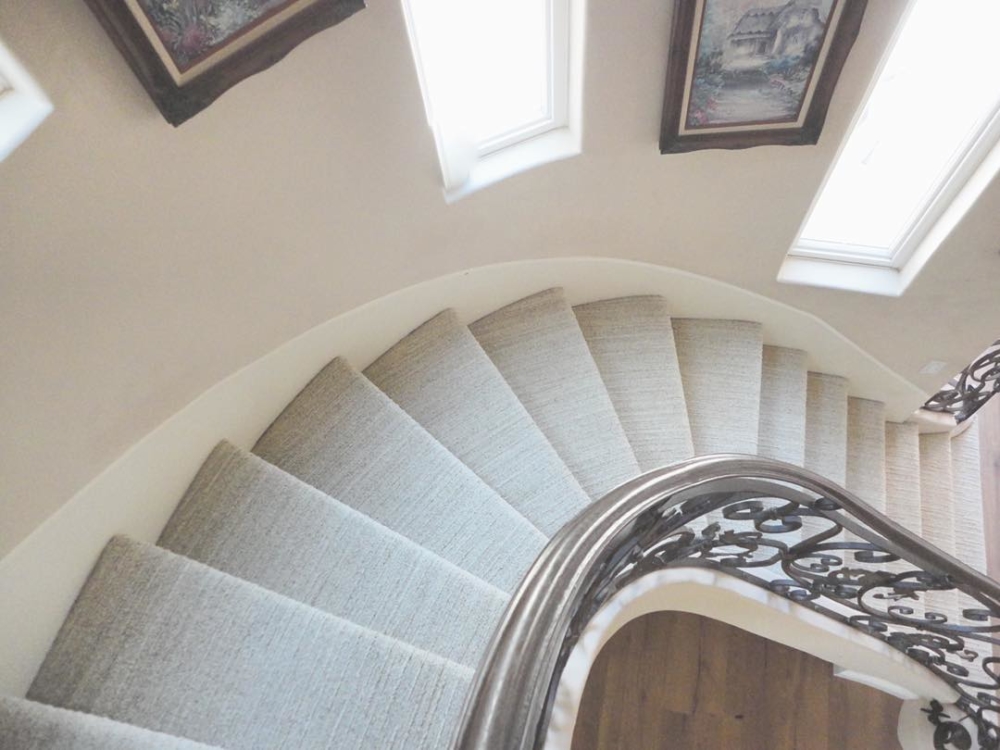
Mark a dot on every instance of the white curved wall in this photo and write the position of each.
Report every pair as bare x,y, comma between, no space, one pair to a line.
136,494
140,264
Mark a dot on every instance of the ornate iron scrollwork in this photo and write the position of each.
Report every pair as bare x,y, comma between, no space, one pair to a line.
840,569
949,735
773,525
971,388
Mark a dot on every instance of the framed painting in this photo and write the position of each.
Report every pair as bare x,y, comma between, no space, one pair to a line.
188,52
745,73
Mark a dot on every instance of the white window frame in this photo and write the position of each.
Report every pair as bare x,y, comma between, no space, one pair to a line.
557,106
23,104
846,266
553,137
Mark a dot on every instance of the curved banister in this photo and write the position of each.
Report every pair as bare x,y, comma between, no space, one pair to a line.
967,392
742,515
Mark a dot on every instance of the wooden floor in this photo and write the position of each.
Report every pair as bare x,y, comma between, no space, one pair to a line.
674,681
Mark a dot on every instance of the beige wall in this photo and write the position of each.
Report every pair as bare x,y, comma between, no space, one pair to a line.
140,264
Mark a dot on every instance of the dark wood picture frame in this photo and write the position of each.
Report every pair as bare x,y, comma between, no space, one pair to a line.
178,102
674,139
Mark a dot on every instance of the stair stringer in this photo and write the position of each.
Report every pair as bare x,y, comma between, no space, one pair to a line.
135,495
729,599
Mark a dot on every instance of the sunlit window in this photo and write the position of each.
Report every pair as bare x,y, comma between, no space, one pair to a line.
494,73
930,119
23,105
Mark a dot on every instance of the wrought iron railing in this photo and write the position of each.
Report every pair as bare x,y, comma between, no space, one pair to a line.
971,388
782,528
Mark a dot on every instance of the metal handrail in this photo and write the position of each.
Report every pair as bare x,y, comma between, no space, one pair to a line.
968,391
848,567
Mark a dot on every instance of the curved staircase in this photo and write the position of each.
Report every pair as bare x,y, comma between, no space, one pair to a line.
337,587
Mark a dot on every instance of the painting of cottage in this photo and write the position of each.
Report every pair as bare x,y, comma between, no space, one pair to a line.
192,30
753,62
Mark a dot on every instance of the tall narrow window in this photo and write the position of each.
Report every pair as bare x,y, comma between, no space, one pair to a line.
929,121
23,105
494,74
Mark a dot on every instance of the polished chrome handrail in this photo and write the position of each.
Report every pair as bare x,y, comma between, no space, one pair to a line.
854,565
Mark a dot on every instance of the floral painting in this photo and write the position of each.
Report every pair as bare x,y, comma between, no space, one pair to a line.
187,53
192,30
755,60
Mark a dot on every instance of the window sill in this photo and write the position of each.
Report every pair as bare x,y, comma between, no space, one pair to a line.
554,145
852,277
886,280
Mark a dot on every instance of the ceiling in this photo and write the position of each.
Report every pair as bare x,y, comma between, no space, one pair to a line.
140,264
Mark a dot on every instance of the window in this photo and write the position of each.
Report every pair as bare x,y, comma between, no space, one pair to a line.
905,175
495,75
23,105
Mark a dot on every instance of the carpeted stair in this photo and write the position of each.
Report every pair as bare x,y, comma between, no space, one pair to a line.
337,587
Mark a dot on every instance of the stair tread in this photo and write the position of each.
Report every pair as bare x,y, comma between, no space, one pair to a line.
443,379
28,725
336,589
720,363
632,342
902,474
968,523
826,426
936,498
250,519
865,468
345,437
169,644
538,347
782,431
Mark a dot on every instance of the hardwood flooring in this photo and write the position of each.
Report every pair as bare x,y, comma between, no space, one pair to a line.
675,681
